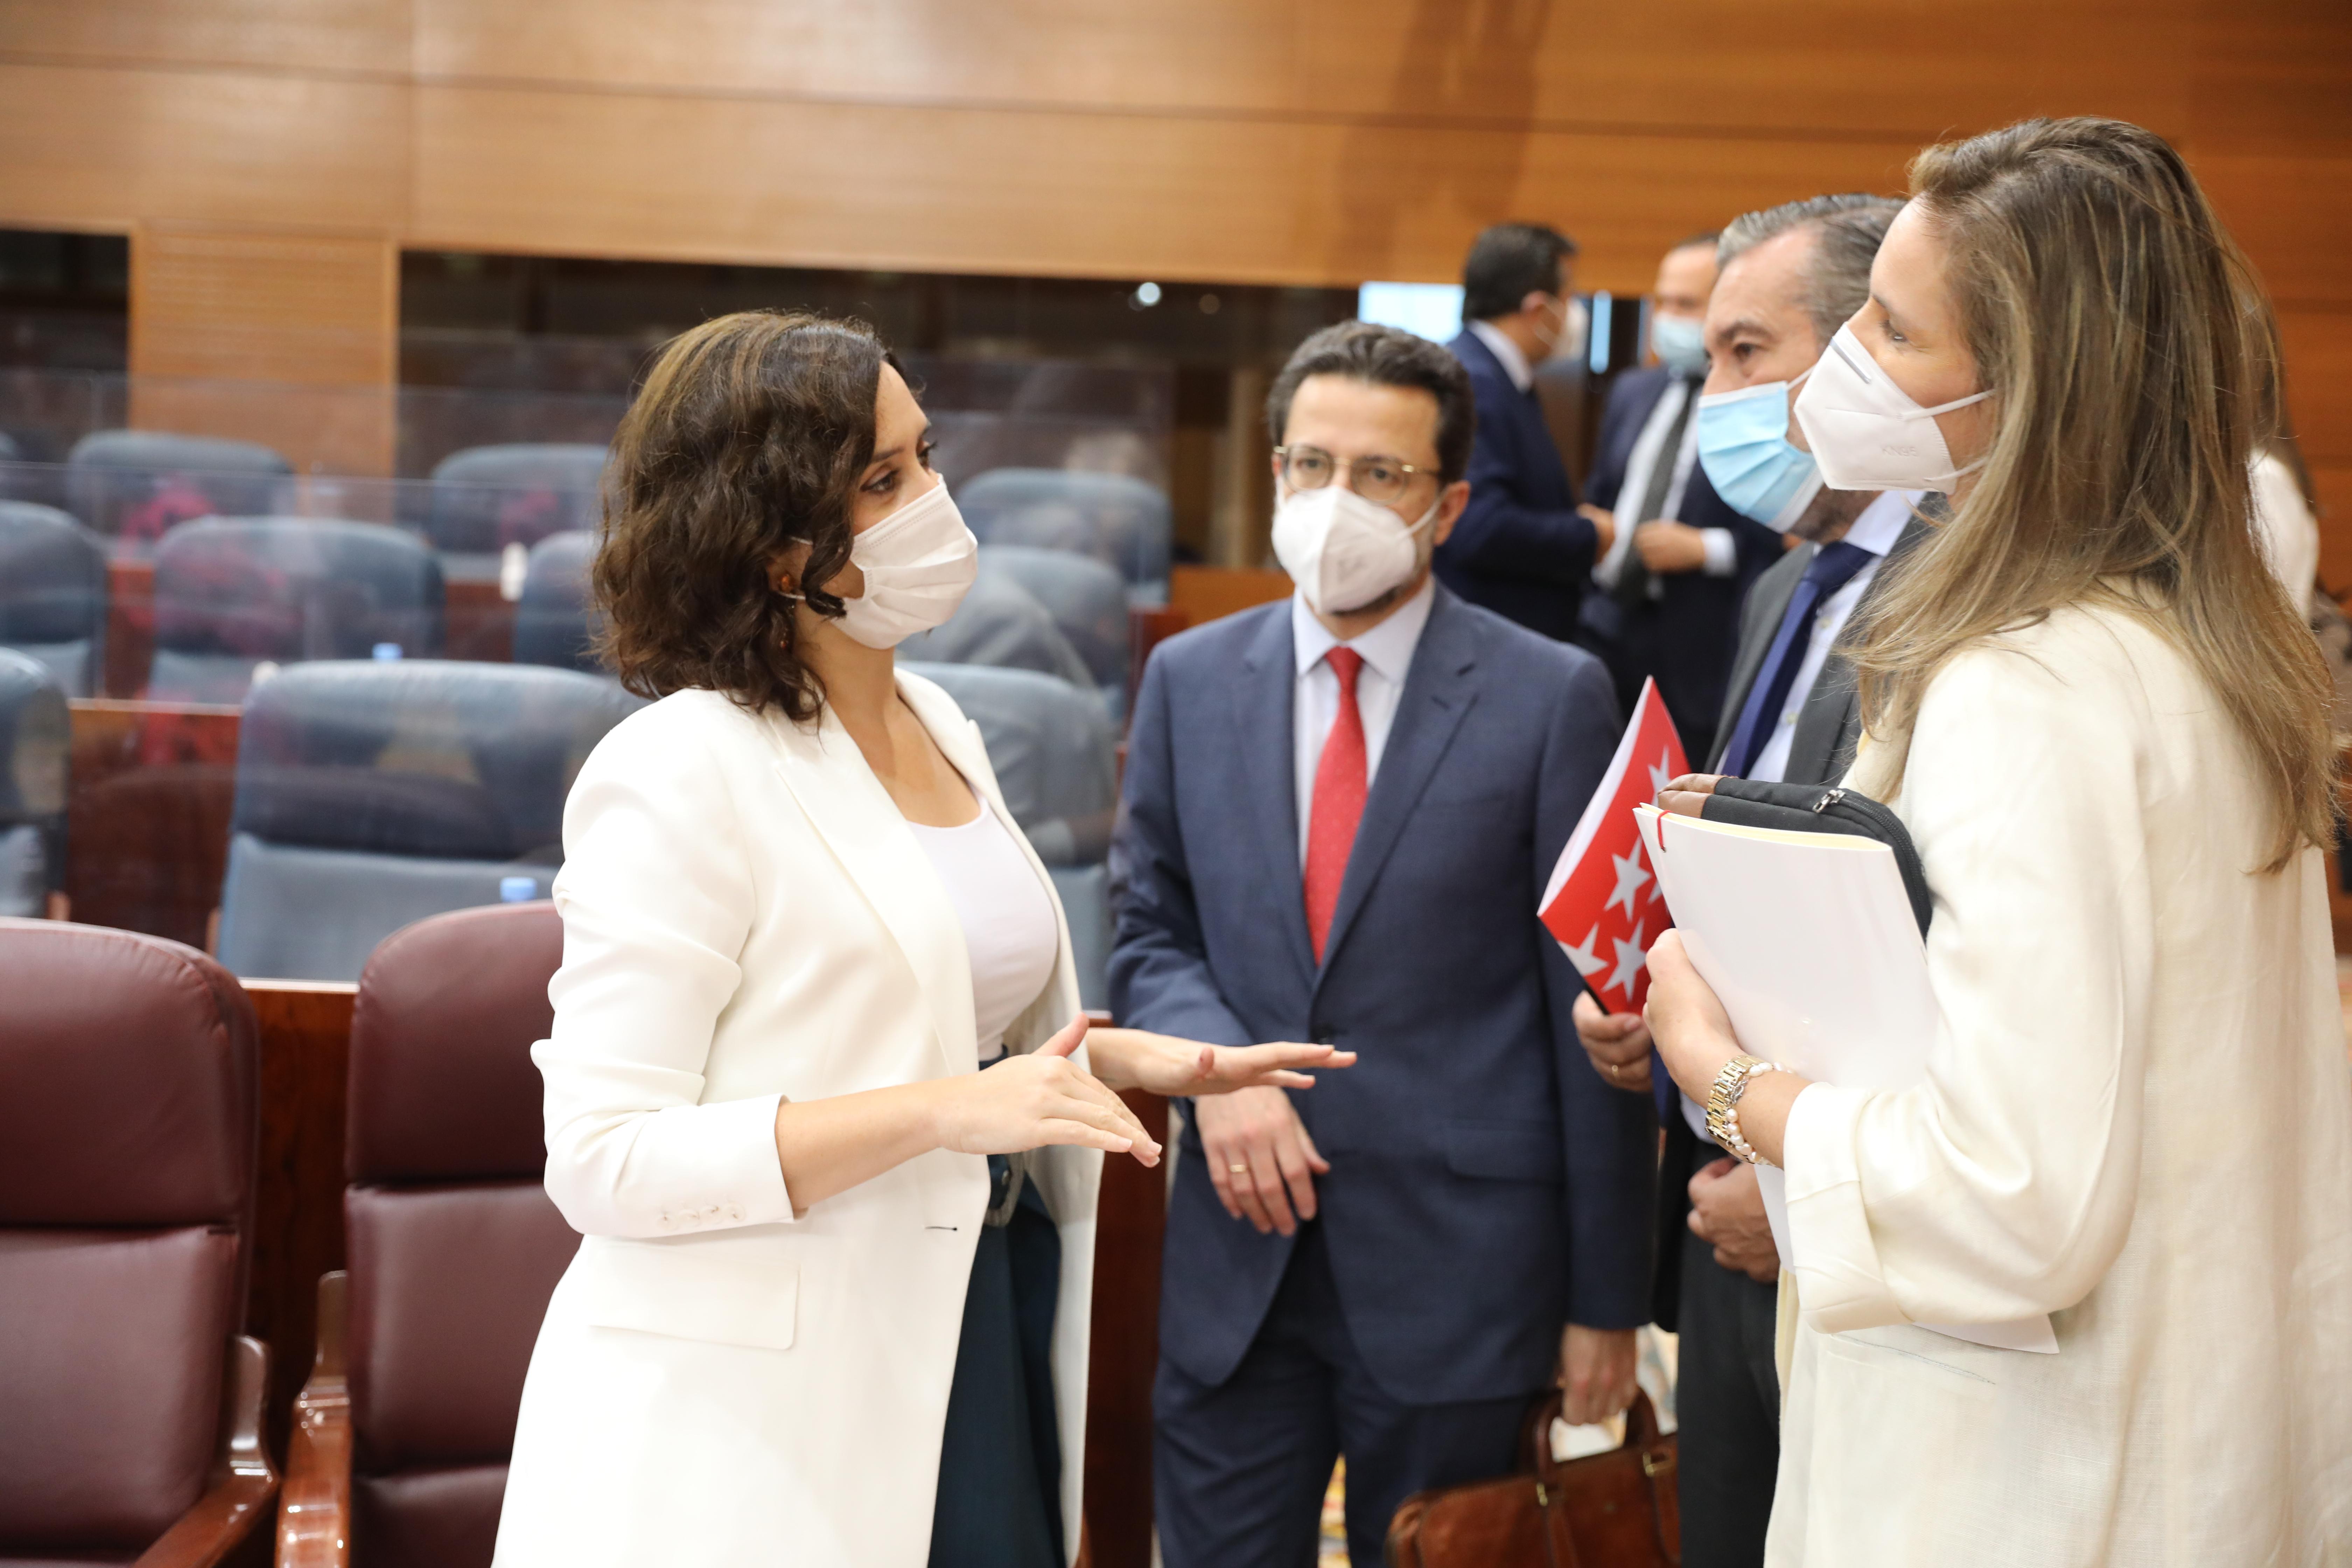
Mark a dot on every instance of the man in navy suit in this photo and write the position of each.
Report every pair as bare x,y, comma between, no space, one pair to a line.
1524,547
1666,594
1338,816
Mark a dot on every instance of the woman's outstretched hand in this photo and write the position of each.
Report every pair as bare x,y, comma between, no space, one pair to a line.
1039,1099
1137,1059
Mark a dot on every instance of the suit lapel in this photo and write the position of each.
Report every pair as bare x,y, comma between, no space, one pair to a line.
1263,702
828,777
1437,695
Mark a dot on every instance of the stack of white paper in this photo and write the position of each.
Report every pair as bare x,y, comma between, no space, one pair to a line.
1810,942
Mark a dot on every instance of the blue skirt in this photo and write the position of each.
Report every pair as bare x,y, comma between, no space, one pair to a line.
999,1497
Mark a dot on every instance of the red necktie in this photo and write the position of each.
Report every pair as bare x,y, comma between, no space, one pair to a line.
1339,803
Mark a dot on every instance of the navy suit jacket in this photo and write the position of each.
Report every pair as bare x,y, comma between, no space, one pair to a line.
1687,638
1520,548
1485,1186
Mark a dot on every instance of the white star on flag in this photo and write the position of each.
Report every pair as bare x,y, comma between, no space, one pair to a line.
1629,878
1630,960
1604,884
1582,955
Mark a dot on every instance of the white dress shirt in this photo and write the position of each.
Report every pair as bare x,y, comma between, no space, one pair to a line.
1314,701
1640,467
1515,363
2135,1118
1882,522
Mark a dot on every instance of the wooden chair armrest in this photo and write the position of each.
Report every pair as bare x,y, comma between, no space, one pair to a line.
242,1479
314,1523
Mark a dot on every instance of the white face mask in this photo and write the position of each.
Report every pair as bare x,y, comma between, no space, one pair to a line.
1343,551
919,562
1575,328
1866,433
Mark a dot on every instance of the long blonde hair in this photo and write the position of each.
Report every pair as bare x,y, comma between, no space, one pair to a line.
2134,367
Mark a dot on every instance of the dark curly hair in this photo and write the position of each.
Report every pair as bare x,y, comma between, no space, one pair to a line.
748,438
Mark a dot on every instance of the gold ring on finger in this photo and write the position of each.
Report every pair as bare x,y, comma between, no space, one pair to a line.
1238,1170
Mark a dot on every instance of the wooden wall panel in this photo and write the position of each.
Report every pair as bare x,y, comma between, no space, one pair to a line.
278,315
2334,483
107,148
1721,63
281,35
2318,352
2293,213
1306,141
1054,193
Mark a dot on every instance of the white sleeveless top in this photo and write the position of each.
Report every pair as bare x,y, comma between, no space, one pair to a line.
1008,921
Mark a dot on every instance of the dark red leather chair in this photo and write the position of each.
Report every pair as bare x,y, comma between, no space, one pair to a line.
402,1433
129,1408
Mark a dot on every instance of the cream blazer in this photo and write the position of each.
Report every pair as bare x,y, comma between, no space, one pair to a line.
746,916
2136,1118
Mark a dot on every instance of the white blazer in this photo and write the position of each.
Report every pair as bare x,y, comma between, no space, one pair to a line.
746,916
2136,1118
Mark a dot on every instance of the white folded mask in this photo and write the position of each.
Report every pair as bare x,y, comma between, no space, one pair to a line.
1866,433
1342,551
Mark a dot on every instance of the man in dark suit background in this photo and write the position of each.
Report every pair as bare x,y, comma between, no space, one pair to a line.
1789,276
1525,546
1338,815
1665,602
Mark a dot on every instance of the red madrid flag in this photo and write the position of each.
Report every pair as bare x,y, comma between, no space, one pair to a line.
1603,905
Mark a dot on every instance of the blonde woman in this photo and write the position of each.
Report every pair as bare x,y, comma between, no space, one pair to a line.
2107,732
817,988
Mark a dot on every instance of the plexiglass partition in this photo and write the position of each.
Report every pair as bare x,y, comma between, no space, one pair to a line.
167,583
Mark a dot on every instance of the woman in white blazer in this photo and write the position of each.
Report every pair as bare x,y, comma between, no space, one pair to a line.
798,922
2107,729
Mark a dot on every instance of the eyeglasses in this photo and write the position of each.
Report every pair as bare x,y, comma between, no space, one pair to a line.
1382,481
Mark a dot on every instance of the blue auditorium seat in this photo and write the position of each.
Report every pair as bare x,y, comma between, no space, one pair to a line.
486,498
34,748
138,485
1122,523
371,795
555,624
1001,624
233,591
53,594
1088,601
1057,764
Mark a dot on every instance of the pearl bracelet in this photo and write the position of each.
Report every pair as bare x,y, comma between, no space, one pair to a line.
1723,1104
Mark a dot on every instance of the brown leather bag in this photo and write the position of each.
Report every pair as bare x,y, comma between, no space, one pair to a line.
1615,1509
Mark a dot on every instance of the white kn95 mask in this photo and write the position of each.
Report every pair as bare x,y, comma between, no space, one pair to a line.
1868,433
1342,551
919,562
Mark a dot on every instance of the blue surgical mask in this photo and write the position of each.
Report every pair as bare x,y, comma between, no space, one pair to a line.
1743,445
1680,343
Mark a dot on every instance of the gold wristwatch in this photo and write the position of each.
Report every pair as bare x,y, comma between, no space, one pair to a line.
1723,1104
